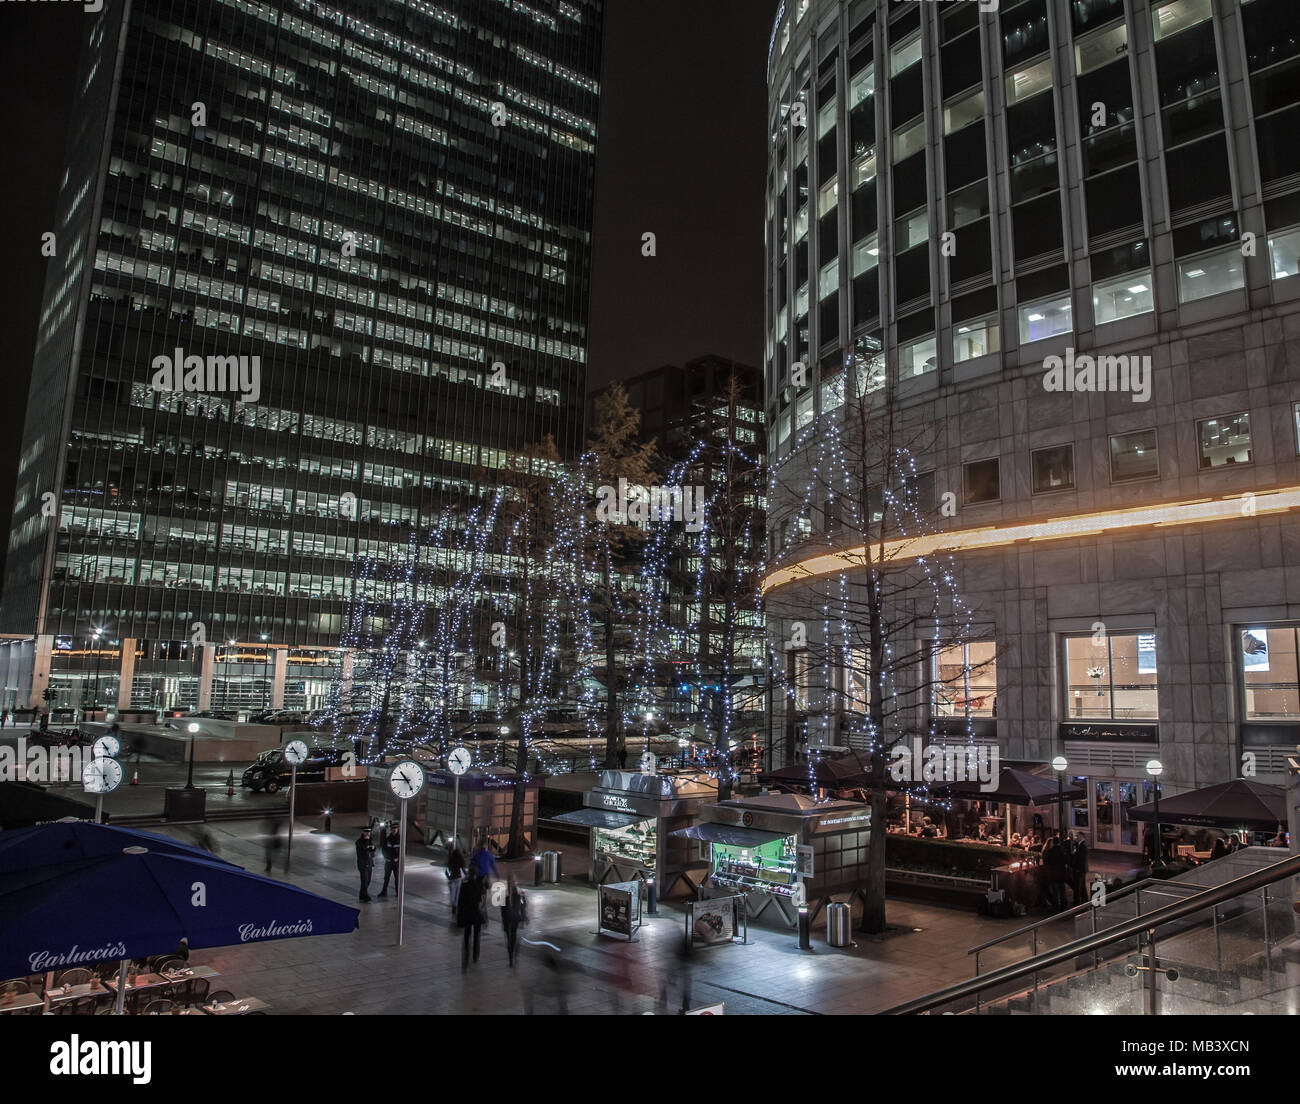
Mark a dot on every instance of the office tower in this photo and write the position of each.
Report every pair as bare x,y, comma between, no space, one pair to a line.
1064,237
321,271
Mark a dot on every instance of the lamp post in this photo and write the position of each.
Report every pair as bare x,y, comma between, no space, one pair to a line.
1060,765
193,730
1155,769
266,672
98,655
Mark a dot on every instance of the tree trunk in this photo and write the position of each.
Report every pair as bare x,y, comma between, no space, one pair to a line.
613,711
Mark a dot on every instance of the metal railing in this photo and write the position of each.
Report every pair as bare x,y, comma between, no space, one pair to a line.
1090,944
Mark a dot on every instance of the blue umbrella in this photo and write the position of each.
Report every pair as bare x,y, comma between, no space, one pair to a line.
124,903
64,840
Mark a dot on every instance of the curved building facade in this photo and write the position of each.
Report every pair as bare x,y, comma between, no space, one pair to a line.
1059,240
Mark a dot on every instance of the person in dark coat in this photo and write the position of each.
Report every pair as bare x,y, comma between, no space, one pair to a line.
365,862
392,845
1079,869
1056,862
513,913
470,911
455,874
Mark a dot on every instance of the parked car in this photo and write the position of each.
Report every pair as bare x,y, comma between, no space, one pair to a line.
270,771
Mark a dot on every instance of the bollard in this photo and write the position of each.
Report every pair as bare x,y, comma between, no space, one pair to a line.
328,820
653,902
537,869
805,929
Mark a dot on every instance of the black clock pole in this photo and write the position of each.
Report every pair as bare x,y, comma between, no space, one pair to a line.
401,874
293,795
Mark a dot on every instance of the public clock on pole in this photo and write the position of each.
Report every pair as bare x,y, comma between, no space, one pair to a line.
106,747
407,779
295,753
101,776
458,761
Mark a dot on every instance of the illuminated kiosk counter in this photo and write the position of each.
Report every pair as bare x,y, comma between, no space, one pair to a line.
761,847
633,819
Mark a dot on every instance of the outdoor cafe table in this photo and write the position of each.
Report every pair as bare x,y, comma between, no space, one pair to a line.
20,1002
235,1007
156,981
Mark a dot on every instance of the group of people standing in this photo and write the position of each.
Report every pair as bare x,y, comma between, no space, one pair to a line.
1065,859
471,890
470,885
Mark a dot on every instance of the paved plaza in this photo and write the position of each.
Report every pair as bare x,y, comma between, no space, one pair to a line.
366,972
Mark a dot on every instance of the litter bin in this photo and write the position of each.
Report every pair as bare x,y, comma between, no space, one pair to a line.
837,925
182,804
550,867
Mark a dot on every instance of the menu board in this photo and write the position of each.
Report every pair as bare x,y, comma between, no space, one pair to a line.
616,907
713,921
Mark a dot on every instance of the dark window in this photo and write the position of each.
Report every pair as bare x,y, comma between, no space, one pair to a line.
960,65
964,156
974,255
829,317
1031,129
981,481
863,205
1111,87
905,24
977,303
828,237
1024,32
1198,173
1124,258
1200,236
912,274
1279,151
1134,456
1037,227
1031,180
906,95
1193,118
1093,13
862,126
1039,285
827,156
1114,201
1276,88
1053,469
968,205
866,296
915,325
1272,31
909,182
962,18
1187,64
1109,149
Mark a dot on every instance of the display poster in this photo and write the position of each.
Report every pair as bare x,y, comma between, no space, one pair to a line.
713,921
805,854
616,908
718,1009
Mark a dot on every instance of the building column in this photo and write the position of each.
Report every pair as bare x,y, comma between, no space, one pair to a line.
278,676
207,664
125,673
41,671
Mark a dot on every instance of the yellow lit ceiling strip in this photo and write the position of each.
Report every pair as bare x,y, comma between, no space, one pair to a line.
1191,512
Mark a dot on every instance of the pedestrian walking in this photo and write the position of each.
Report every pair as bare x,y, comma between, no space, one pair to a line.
271,844
365,861
1057,863
1079,869
514,913
471,910
455,874
392,845
483,862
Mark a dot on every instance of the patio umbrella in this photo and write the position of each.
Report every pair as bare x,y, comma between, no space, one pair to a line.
1015,787
1240,803
129,902
824,773
69,839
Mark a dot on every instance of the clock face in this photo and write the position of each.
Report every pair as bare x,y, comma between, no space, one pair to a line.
106,747
101,776
459,760
407,779
295,753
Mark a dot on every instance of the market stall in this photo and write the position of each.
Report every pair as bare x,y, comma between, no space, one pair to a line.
486,801
774,848
632,818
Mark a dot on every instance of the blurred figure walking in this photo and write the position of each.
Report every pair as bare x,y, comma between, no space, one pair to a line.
471,910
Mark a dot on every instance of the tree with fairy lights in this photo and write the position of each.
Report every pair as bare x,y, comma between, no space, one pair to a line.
858,628
617,455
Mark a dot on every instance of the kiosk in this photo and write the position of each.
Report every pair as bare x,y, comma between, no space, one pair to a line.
486,802
632,818
766,846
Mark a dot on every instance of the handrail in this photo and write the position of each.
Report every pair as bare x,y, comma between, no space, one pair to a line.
1111,898
1215,895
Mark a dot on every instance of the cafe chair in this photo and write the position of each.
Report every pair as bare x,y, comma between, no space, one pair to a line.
107,971
17,988
82,1006
194,991
225,996
76,976
158,1008
162,963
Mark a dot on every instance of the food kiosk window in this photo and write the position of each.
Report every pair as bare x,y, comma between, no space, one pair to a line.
636,842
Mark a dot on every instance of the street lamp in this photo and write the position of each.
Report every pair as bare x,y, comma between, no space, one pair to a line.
98,633
1060,765
266,671
1155,769
193,730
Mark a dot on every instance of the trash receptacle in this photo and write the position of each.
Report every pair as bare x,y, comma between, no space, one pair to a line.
559,865
550,867
837,925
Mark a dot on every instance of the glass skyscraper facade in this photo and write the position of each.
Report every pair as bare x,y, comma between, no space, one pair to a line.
958,196
383,209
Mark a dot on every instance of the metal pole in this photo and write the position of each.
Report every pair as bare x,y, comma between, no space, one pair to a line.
1159,844
120,1003
401,875
99,808
1152,1007
1268,953
455,814
293,802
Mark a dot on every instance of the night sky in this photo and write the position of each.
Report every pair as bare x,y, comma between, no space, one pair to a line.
681,154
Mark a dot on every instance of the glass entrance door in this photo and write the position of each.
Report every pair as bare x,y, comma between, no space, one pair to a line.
1101,816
